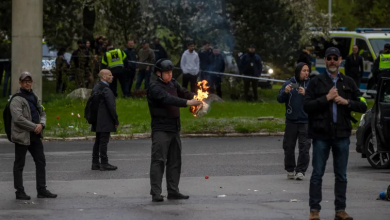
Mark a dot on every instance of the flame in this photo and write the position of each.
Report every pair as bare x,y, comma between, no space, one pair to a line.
202,94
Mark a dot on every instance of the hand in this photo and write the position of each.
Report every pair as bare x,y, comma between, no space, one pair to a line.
288,89
194,102
301,91
38,129
333,93
340,101
137,70
147,68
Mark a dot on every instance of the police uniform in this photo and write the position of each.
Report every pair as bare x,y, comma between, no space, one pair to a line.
164,100
381,66
113,59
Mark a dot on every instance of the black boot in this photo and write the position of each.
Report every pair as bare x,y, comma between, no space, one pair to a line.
46,194
157,198
177,196
95,166
104,167
21,195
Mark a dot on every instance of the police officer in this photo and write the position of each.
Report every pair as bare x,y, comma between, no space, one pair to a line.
381,66
165,96
113,60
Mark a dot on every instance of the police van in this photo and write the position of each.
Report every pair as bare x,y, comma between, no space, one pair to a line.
370,42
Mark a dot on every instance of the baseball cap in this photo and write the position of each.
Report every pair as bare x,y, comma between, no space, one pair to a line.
387,46
332,51
252,46
144,41
24,75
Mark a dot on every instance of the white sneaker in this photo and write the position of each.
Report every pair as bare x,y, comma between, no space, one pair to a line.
299,176
290,175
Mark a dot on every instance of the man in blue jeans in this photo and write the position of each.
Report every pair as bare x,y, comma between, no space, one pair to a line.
330,98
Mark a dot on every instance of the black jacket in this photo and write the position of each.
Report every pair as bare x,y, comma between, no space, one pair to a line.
204,56
107,116
354,68
131,55
164,100
159,52
251,65
216,63
320,110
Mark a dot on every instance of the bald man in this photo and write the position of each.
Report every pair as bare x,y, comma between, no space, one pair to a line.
107,121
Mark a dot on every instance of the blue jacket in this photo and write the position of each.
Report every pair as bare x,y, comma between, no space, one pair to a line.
294,102
251,65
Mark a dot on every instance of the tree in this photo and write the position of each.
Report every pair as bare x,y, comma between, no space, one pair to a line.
372,13
267,24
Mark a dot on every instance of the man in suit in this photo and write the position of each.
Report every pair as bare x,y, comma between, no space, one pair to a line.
108,122
354,66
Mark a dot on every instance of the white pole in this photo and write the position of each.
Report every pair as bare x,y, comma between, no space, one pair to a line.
330,13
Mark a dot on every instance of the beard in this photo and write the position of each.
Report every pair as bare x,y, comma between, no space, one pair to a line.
332,69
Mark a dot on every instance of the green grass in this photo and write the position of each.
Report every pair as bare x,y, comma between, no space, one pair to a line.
134,117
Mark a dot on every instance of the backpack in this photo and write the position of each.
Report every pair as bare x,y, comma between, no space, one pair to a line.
7,117
91,108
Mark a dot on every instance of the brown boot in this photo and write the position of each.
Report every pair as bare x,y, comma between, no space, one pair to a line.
342,215
314,215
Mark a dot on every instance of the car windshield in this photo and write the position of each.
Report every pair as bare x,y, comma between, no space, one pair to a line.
377,44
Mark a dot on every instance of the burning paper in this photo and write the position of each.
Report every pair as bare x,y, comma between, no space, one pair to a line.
202,94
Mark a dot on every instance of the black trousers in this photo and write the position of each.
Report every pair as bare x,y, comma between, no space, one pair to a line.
166,152
119,75
36,150
215,81
247,83
291,134
129,78
192,79
100,148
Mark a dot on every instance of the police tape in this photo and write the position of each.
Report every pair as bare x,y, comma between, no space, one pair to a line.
248,77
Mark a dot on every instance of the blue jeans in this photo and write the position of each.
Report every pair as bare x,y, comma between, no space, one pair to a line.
7,77
340,151
143,74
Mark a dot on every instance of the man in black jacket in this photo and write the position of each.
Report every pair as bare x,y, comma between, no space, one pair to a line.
354,66
130,65
204,56
165,96
107,121
251,65
329,101
216,64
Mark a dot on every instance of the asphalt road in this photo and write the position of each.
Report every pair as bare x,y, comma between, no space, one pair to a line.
248,171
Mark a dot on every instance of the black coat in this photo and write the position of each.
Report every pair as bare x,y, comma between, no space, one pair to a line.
107,116
216,63
320,110
159,99
354,68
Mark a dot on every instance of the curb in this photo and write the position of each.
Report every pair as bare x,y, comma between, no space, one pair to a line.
148,135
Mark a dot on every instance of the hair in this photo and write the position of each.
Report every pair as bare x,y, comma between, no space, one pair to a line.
355,45
130,40
190,43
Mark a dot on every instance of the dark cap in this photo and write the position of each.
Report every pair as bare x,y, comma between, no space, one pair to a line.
215,47
24,75
144,41
387,46
80,42
332,51
252,46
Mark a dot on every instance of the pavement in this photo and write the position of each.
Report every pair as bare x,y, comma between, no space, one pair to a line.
246,181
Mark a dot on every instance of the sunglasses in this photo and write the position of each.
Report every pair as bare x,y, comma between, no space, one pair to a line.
334,58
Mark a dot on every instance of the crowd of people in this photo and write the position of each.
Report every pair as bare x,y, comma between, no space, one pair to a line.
129,65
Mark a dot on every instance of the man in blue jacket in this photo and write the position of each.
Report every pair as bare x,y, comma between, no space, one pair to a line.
292,94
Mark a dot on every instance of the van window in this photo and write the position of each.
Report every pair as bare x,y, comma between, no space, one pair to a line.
320,45
364,51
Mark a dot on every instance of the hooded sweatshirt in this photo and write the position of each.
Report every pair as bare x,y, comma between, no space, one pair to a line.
190,63
293,100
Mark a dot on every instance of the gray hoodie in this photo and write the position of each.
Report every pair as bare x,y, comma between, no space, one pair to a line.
190,63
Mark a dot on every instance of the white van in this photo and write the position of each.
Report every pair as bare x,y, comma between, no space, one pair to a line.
369,40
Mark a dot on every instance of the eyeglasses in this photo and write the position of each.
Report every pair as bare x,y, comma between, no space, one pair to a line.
336,58
26,81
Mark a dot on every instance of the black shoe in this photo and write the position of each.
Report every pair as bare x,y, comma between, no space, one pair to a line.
177,196
157,198
104,167
95,166
21,195
46,194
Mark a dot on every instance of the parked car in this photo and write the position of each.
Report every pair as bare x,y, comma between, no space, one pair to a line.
48,61
377,156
